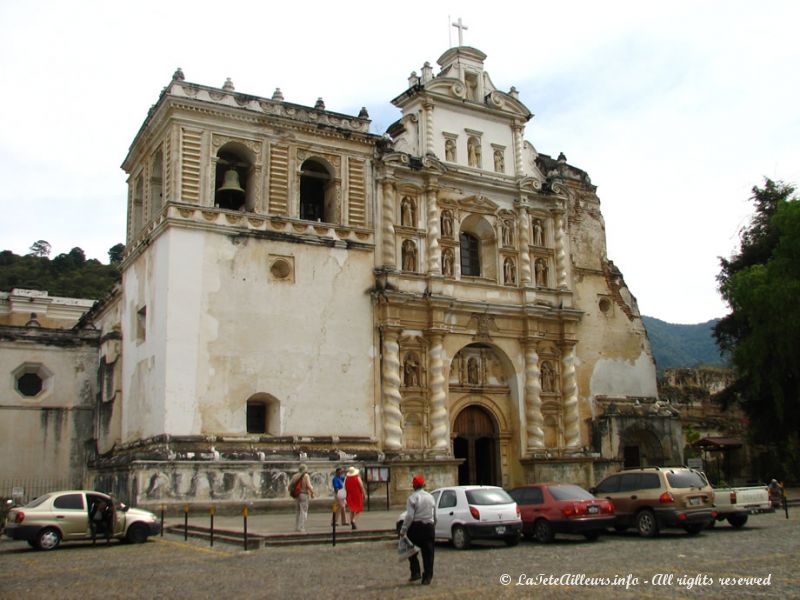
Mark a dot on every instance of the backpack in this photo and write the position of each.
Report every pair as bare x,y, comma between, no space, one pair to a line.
296,488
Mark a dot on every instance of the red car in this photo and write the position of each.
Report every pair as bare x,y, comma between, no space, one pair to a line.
551,508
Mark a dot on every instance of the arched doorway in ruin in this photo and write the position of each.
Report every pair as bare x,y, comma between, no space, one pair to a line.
476,441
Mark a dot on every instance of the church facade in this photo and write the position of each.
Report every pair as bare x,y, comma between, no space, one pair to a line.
435,299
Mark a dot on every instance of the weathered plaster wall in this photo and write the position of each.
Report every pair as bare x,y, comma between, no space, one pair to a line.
43,438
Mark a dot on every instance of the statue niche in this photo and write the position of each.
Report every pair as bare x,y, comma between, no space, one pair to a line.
411,370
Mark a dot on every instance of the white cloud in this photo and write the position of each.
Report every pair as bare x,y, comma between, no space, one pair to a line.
675,110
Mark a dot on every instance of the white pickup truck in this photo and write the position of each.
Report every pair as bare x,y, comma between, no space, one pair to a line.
736,504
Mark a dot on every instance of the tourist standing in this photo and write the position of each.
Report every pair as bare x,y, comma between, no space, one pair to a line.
420,527
355,494
340,494
301,490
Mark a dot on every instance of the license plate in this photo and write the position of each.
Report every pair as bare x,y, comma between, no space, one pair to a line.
695,501
593,510
500,529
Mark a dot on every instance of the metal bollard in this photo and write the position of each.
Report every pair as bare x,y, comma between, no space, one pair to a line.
213,511
163,507
334,508
244,514
185,522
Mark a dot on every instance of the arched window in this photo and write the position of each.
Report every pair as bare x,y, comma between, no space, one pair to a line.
317,198
157,183
256,416
470,255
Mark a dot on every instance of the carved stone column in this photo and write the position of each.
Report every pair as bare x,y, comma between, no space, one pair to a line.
525,276
517,131
428,107
440,431
561,255
392,417
572,432
434,249
387,219
533,399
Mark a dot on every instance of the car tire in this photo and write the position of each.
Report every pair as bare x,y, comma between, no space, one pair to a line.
737,521
512,541
137,534
460,538
646,523
694,528
711,524
543,532
591,535
48,539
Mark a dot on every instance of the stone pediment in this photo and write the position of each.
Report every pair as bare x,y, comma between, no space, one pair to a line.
479,204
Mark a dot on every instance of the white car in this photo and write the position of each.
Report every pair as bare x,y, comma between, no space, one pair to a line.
474,512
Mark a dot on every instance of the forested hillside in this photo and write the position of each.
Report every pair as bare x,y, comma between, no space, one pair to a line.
676,345
70,274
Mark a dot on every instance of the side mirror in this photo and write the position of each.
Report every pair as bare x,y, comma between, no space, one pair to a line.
593,490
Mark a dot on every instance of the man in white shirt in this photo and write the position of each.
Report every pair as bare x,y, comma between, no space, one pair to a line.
420,526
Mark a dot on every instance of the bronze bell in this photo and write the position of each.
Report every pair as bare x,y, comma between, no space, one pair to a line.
231,182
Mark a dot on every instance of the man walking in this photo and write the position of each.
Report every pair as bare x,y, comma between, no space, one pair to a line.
420,526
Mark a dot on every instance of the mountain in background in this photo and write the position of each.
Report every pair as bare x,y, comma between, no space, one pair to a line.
676,346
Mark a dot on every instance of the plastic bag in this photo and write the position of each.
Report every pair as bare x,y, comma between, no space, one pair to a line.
405,548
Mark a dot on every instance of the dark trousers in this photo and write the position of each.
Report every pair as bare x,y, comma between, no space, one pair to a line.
422,534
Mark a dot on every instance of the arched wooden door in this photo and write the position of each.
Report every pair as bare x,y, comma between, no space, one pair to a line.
475,439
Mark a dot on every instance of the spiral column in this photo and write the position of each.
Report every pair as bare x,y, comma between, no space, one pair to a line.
434,250
533,399
392,417
440,430
387,217
572,432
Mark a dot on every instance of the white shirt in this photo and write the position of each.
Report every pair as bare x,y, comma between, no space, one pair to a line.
420,507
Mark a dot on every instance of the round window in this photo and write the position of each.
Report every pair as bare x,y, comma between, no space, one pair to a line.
281,269
29,384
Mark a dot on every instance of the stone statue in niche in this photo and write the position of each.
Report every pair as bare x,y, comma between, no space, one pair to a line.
548,377
538,233
409,256
541,272
447,224
474,152
499,162
508,234
408,211
450,150
473,376
447,262
411,371
509,272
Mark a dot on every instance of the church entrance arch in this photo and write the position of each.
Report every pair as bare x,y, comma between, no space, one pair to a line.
640,447
476,441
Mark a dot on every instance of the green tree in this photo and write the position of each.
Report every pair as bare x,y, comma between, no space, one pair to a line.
115,254
761,284
40,248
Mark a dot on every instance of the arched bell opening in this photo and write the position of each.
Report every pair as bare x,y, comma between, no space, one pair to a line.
232,178
317,192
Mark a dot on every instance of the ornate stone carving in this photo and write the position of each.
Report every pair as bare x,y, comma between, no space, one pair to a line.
440,435
572,434
533,400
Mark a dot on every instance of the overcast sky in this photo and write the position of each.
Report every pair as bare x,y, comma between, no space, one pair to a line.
675,109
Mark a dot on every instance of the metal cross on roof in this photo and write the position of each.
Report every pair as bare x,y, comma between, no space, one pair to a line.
461,28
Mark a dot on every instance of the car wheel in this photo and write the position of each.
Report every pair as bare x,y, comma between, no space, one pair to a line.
712,524
543,531
646,524
737,521
137,534
694,528
512,541
591,535
48,539
460,538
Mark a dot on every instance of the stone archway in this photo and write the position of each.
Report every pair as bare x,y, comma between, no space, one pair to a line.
640,447
476,441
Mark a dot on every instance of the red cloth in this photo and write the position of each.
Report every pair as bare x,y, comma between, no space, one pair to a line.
355,495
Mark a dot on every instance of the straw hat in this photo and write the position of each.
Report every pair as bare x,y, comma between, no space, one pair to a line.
352,472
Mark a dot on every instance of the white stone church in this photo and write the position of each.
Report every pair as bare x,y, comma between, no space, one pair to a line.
435,299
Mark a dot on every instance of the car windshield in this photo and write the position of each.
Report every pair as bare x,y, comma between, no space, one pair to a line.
569,492
37,501
685,479
485,497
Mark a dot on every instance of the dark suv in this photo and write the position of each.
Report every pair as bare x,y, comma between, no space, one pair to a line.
654,498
